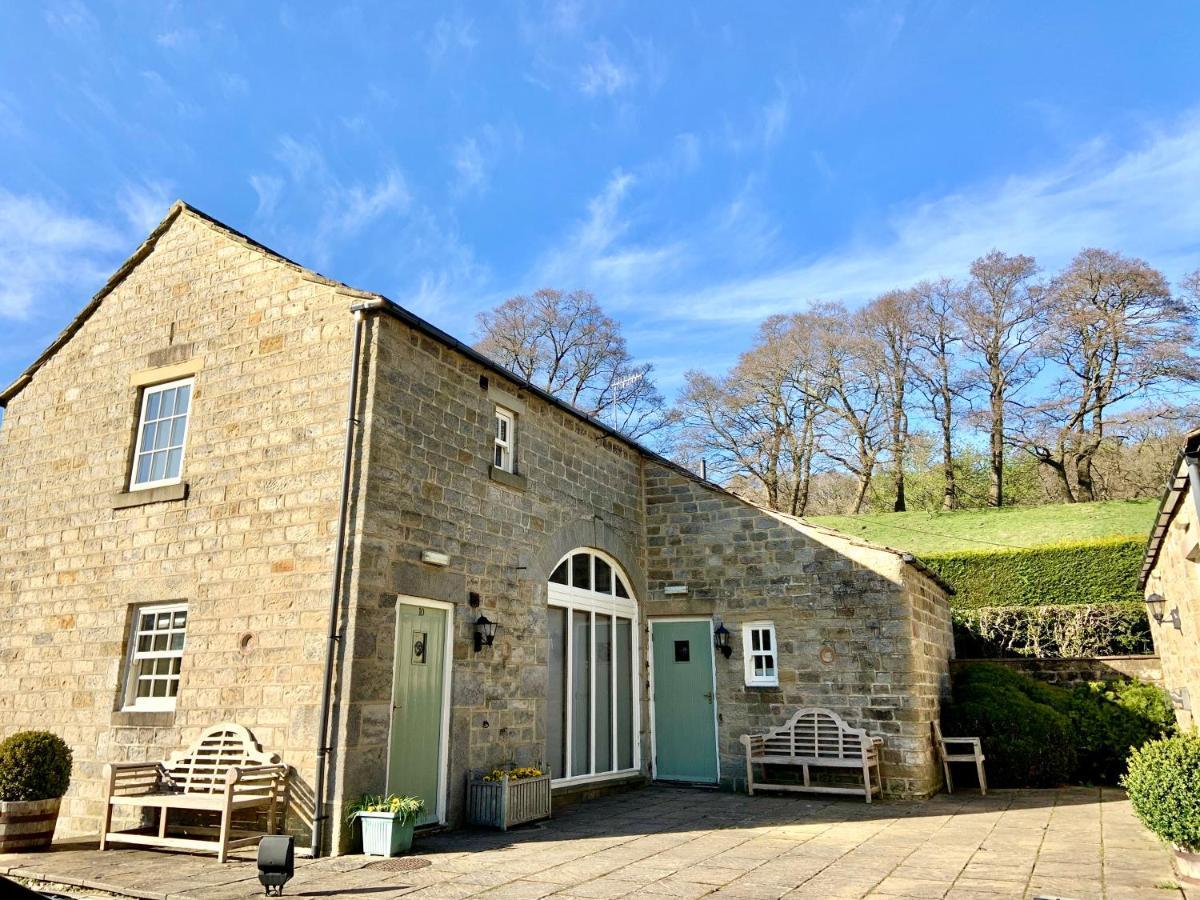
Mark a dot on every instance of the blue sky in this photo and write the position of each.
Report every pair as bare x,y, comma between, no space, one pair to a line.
697,169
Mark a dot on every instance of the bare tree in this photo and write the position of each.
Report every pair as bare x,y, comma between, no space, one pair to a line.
937,334
853,434
1116,332
566,345
1003,321
888,324
756,425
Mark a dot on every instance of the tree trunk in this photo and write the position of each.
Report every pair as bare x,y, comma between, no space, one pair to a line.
1083,476
950,489
1058,470
899,506
996,481
864,484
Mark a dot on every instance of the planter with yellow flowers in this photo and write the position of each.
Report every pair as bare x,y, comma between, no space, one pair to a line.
505,797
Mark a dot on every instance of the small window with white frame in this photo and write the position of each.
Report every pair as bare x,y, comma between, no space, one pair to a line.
761,654
155,657
505,440
161,435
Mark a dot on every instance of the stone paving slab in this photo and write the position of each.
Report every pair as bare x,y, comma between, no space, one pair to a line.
663,842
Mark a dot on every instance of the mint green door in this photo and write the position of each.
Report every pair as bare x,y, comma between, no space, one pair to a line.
685,744
415,748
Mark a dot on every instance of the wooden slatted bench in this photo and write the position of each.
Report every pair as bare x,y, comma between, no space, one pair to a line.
815,737
224,772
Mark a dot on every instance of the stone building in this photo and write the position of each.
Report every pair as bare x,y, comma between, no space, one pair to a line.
1170,577
235,490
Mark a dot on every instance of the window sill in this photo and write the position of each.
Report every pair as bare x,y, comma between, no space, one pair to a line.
164,494
763,687
508,479
145,718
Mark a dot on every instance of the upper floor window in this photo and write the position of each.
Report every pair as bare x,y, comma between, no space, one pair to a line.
505,440
161,434
155,656
761,653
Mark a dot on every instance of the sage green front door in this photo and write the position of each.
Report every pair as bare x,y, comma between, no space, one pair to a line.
415,749
685,743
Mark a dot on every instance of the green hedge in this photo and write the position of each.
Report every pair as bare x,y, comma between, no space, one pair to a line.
1052,632
1104,571
1164,789
1039,735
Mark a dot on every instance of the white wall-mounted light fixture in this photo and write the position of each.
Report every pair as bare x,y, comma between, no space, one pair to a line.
434,558
675,589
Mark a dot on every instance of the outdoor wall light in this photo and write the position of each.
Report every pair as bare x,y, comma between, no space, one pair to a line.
485,632
721,640
276,862
1155,605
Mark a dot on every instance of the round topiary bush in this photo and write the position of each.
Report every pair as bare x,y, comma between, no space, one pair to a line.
34,765
1164,788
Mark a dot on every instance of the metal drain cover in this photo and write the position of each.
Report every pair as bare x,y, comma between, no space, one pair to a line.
399,864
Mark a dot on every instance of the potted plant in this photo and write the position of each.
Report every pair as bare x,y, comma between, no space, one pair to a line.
504,797
1163,782
387,822
35,770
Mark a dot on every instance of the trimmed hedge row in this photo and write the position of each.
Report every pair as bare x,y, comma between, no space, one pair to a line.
1103,571
1052,632
1040,735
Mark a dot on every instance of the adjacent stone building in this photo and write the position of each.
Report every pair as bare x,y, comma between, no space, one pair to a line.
1170,576
235,490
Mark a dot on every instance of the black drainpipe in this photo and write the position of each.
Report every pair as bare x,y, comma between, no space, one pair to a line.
339,558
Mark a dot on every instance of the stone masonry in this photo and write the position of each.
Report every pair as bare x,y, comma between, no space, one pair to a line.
1174,577
248,540
248,547
859,630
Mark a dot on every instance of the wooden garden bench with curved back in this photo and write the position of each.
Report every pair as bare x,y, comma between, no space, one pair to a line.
815,737
224,772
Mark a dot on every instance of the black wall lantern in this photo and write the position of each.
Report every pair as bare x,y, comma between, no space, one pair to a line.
1155,605
721,640
485,632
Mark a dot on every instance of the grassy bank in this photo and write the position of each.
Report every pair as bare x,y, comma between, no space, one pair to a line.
982,529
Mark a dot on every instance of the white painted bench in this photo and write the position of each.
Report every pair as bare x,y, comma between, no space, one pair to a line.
224,772
815,737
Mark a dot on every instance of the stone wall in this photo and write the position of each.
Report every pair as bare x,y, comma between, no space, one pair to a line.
248,548
858,630
424,483
1175,578
1070,672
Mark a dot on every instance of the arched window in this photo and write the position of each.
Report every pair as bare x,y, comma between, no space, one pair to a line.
591,719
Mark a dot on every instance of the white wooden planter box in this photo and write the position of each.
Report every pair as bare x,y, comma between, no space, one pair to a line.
503,804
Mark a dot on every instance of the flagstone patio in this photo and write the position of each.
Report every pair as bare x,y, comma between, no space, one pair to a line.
674,842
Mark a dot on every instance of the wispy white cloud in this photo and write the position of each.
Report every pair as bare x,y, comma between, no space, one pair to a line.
475,157
46,250
71,17
1144,201
174,39
144,203
601,74
267,188
341,209
450,35
595,253
233,85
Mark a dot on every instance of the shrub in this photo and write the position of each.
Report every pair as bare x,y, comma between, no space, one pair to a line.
1040,735
1164,789
34,765
1027,744
1103,571
1050,632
